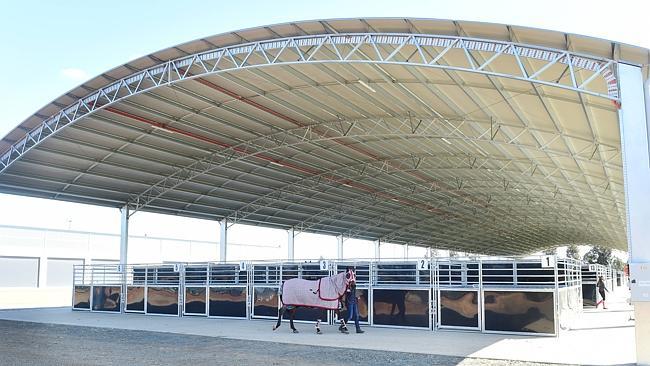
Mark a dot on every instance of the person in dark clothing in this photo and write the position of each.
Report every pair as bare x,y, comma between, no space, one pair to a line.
352,303
601,290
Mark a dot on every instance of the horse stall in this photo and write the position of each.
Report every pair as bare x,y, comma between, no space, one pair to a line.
457,285
154,289
228,291
97,288
519,296
400,294
215,290
267,281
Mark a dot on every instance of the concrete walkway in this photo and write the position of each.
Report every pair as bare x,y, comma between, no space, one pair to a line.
598,337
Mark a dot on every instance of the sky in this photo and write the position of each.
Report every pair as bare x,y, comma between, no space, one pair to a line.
49,47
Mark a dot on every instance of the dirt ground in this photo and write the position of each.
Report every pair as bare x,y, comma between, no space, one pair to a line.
24,343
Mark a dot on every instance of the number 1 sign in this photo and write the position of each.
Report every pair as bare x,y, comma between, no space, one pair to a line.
548,261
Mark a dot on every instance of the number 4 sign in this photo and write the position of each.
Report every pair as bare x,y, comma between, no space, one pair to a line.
548,261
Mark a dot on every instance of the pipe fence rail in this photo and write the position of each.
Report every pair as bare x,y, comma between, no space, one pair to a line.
521,295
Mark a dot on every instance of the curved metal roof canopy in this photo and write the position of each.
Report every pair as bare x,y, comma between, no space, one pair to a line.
467,136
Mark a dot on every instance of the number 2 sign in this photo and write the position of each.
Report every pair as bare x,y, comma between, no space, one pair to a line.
423,264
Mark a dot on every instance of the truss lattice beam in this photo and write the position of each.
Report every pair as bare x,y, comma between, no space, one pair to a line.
347,48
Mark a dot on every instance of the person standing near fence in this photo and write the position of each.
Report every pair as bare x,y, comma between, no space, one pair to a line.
601,290
352,303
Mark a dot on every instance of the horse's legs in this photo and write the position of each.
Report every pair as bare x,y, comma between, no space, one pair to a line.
280,313
318,331
343,327
292,314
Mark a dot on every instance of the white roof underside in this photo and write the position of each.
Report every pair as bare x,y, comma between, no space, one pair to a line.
413,154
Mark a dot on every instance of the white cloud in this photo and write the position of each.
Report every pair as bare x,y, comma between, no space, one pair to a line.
75,74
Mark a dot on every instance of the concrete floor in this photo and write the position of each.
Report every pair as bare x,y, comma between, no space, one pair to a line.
598,337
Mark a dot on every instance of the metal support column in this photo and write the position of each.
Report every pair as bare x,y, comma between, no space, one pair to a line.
124,253
377,249
635,136
124,235
223,240
291,236
406,251
339,247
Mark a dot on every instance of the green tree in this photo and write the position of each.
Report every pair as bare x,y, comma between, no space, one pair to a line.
617,264
599,255
572,252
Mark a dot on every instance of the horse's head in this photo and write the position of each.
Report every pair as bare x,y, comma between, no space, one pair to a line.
350,278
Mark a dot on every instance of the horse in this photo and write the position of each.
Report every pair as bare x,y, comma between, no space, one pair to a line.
325,293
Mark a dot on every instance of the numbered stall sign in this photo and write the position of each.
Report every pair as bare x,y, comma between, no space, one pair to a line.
592,268
423,264
242,266
177,267
548,261
324,265
120,268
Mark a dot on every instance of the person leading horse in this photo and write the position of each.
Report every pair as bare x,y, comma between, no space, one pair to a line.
325,293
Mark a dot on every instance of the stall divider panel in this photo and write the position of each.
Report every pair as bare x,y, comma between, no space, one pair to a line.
81,289
462,276
395,286
530,322
195,282
164,286
535,304
238,309
106,290
138,281
269,281
228,290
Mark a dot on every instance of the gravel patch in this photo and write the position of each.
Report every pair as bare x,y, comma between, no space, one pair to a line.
25,343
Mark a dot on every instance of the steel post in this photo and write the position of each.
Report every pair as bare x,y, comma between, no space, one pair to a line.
339,247
291,236
223,240
635,131
124,251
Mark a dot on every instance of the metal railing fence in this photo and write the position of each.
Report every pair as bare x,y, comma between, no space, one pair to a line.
437,284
